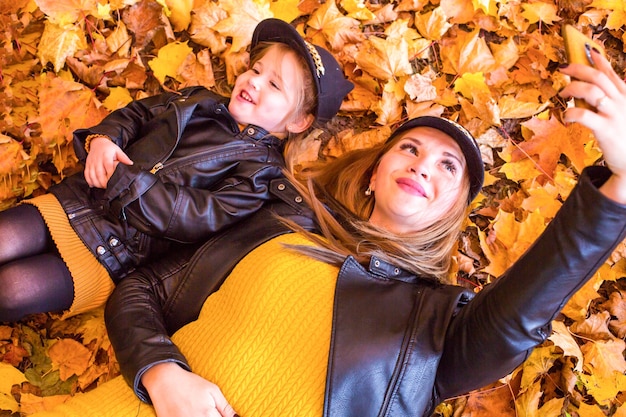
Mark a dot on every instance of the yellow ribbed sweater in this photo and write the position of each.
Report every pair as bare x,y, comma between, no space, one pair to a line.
263,338
92,282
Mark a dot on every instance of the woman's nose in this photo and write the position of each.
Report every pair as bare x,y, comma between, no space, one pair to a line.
254,83
420,168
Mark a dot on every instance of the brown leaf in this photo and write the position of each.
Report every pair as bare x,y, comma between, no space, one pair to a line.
70,357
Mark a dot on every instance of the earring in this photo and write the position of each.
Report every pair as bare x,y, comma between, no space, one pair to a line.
368,192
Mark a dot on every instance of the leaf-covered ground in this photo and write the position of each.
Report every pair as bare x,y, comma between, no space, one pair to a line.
491,65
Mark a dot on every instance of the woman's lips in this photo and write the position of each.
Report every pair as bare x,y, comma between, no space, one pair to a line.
412,187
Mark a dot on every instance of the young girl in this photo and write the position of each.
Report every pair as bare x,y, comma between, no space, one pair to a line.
164,171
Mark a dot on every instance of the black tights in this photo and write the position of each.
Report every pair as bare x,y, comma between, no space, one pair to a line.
33,277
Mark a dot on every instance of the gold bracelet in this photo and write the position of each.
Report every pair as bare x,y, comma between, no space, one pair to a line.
89,138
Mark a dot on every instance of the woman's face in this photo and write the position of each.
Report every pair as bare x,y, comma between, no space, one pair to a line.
417,181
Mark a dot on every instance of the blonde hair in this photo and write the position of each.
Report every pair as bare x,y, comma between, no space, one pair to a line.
336,192
306,96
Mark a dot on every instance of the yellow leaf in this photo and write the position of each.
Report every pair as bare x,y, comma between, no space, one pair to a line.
433,25
527,404
577,306
180,13
603,388
9,376
357,9
117,98
67,12
543,199
587,410
489,7
203,19
70,357
33,403
8,403
552,408
509,239
334,27
537,364
562,338
286,10
388,109
420,88
384,58
169,60
57,43
470,83
512,108
243,16
604,357
539,11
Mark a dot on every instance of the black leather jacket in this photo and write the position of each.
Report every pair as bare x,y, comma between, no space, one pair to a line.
194,173
445,340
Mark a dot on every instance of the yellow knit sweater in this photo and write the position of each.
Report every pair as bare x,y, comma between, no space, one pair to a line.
263,338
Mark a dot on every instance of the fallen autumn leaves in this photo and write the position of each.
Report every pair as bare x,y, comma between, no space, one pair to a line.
490,65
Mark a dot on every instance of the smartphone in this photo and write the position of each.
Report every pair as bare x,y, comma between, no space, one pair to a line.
578,51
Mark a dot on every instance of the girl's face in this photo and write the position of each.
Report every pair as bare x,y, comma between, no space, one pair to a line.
417,181
266,95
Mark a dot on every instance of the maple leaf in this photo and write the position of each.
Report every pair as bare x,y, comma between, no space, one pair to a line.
604,357
335,28
577,306
180,13
550,140
69,357
243,16
287,10
466,52
143,19
201,29
604,388
169,60
384,58
67,12
433,25
508,239
357,9
57,43
540,11
562,338
617,15
538,364
197,70
118,98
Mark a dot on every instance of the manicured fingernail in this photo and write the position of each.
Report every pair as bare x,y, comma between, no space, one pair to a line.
563,66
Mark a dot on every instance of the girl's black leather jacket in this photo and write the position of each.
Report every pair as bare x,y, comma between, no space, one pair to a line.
444,341
194,173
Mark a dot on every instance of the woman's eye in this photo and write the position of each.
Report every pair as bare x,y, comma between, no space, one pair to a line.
275,85
409,147
450,166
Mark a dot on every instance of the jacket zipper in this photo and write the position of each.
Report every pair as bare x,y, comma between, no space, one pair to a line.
200,155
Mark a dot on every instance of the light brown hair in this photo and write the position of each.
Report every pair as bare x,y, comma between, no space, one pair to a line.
336,192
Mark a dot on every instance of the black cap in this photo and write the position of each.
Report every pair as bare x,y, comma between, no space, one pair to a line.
332,85
466,142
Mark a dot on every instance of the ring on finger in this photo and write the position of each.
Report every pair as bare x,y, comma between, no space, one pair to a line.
601,102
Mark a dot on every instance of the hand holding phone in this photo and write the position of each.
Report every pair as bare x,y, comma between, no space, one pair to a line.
578,51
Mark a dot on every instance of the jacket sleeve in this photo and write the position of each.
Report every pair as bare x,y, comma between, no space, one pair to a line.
134,318
188,214
124,125
156,300
496,331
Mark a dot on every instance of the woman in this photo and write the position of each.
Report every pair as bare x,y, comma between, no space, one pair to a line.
300,329
164,171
